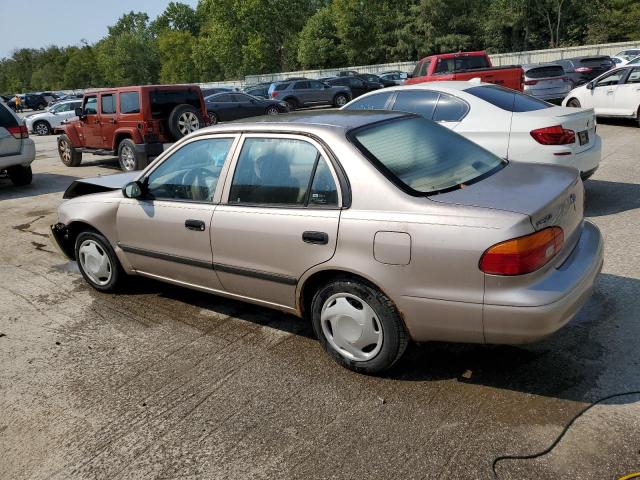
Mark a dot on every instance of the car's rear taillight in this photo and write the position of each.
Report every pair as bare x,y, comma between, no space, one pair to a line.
523,254
583,69
274,94
531,82
19,131
555,135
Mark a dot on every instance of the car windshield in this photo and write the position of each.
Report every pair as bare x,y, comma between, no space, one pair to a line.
422,157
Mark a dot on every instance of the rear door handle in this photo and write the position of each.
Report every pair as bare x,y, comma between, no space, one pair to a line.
318,238
197,225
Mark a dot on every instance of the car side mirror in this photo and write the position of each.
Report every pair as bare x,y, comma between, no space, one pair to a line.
589,86
79,112
133,190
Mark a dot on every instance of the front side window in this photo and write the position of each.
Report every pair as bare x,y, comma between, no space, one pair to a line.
108,104
370,102
300,85
611,79
190,173
634,76
91,105
129,102
278,171
422,157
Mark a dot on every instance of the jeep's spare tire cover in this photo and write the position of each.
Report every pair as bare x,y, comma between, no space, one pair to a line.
183,120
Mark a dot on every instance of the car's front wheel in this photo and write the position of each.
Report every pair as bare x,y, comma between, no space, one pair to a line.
98,262
69,155
573,103
272,111
358,325
42,128
20,175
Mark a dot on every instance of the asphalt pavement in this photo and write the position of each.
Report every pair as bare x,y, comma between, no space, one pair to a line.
163,382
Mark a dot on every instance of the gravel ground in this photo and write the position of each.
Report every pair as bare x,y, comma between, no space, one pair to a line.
163,382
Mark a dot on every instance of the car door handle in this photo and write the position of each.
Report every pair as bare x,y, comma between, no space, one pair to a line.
318,238
197,225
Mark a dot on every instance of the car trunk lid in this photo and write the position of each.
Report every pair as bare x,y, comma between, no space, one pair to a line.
549,195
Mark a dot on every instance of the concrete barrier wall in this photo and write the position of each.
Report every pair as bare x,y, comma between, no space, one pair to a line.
514,58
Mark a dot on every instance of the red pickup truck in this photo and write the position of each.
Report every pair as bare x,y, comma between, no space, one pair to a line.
465,66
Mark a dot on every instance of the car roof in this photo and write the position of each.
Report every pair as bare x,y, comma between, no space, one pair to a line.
308,121
445,86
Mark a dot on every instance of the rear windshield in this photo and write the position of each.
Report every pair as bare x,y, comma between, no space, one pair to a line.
545,72
507,99
423,158
450,65
164,101
595,61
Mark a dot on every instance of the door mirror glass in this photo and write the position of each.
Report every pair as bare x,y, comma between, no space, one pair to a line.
79,112
132,190
589,86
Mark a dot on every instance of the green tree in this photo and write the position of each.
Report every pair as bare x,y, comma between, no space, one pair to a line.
177,16
319,45
176,57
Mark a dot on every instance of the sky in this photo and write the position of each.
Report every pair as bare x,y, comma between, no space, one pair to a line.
41,23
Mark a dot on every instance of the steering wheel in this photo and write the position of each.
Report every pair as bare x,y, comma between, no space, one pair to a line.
196,184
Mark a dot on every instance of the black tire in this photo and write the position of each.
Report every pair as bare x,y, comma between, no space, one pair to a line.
272,110
213,118
20,175
293,103
68,154
129,159
394,333
117,274
638,118
340,100
573,103
182,120
42,127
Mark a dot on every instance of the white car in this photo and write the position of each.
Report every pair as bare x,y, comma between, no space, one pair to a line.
506,122
613,94
628,54
43,123
619,61
17,150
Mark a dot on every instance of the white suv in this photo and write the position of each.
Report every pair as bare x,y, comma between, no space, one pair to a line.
17,150
44,123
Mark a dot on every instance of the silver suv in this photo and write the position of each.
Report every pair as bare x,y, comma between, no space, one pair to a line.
17,150
307,93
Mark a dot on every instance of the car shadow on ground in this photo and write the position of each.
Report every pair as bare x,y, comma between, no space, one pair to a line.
596,350
572,364
42,184
620,122
607,198
110,163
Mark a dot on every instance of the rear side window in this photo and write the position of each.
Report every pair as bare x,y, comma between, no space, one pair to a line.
6,118
422,157
107,104
281,86
506,99
450,65
450,109
422,102
634,76
164,101
370,102
545,72
278,171
129,102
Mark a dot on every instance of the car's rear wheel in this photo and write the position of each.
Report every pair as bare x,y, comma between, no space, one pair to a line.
69,155
340,100
272,111
97,261
358,325
183,120
573,103
129,159
213,118
20,175
42,128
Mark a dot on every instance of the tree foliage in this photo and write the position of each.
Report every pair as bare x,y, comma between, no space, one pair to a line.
227,39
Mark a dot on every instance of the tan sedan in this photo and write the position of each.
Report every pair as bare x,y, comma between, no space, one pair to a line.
380,227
